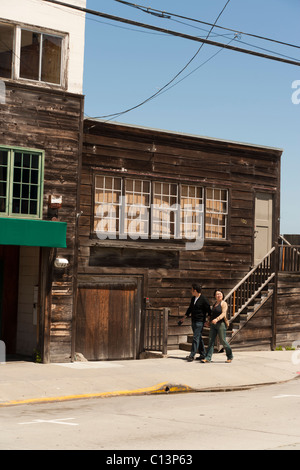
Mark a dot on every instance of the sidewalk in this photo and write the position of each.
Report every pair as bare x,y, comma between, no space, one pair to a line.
27,382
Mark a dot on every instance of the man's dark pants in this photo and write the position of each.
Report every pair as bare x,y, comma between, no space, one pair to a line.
198,344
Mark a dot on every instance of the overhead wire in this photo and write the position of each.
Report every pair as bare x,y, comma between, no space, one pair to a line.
175,33
169,15
162,89
283,59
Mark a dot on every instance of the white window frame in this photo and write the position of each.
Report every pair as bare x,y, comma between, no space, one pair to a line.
192,213
150,212
16,56
136,215
215,213
165,208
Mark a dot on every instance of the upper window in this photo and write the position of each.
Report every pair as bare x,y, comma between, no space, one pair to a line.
21,183
31,55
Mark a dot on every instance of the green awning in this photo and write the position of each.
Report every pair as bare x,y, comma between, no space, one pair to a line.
32,232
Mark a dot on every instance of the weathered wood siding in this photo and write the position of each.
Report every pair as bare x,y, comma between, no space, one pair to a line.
51,120
242,169
288,309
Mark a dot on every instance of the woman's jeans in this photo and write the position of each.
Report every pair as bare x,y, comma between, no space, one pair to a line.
220,330
198,344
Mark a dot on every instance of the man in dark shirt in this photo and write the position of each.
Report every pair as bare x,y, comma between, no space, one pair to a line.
198,309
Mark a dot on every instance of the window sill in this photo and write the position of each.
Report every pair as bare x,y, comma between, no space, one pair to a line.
153,244
34,83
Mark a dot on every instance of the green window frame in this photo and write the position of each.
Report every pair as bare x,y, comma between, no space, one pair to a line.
21,182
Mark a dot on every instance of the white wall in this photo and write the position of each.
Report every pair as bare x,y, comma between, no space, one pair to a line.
58,18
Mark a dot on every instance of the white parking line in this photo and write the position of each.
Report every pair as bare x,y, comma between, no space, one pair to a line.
286,396
52,421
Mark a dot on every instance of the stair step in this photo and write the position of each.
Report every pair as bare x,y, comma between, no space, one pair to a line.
185,346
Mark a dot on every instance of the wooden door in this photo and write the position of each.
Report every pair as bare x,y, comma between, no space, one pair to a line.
263,225
107,320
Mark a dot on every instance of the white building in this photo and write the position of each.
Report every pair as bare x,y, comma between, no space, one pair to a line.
43,43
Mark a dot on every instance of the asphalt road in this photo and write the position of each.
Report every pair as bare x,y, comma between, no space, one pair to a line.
265,418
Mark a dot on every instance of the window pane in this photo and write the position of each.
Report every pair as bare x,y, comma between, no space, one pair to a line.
34,161
17,190
33,207
3,157
17,174
33,192
18,159
25,176
16,206
30,55
24,207
2,188
2,204
25,191
51,59
6,50
26,160
34,176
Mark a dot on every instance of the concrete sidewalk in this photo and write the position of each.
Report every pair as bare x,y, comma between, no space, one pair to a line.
28,382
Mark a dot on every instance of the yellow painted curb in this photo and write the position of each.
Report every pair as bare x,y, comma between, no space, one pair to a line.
161,388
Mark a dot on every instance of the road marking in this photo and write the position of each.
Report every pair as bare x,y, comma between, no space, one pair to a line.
286,396
52,421
161,388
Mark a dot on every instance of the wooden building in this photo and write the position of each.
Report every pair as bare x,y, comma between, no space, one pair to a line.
105,226
161,210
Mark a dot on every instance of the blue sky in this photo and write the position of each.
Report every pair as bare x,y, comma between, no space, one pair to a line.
233,96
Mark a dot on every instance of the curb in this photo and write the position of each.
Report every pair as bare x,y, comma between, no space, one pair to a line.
161,388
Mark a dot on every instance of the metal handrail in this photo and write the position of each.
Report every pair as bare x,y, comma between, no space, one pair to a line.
251,285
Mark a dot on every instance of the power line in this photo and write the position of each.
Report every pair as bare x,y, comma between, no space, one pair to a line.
168,15
164,88
176,33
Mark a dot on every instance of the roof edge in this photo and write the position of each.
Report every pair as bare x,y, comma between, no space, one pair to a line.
184,134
